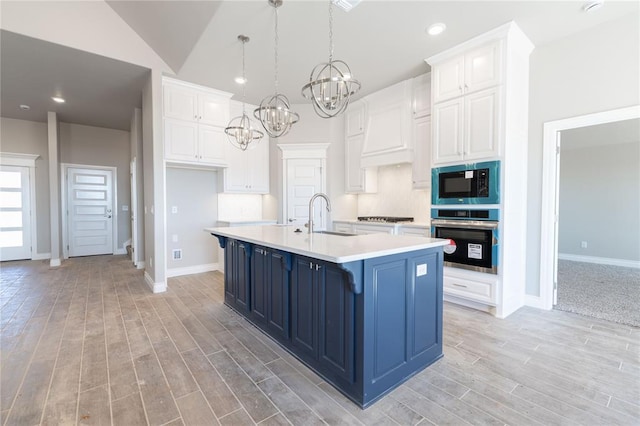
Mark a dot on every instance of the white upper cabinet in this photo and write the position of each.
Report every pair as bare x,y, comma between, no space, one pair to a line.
421,167
357,179
355,118
475,70
194,120
421,99
247,171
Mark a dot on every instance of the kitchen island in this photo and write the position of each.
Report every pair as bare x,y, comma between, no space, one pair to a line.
363,311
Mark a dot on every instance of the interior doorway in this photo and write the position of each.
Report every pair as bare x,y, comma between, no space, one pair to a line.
15,213
599,266
90,217
551,195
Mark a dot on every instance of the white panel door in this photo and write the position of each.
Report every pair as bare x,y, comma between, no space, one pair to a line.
15,213
90,211
304,178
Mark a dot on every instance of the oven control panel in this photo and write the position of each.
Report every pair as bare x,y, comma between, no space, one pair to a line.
466,214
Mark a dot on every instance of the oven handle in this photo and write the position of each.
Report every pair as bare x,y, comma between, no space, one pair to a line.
465,224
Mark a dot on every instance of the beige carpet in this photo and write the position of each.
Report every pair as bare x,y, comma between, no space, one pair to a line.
600,291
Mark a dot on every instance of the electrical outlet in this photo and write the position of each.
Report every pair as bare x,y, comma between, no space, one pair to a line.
583,244
174,209
177,254
125,208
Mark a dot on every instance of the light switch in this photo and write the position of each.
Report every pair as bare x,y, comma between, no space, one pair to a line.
174,238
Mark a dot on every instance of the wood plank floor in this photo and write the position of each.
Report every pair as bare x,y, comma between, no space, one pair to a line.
87,343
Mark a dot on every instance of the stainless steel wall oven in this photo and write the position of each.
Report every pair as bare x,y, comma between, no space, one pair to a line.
473,237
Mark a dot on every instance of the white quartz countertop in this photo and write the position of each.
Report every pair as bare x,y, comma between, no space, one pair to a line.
332,248
387,224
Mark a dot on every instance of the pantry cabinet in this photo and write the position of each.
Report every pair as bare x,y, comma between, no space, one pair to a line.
194,118
357,179
421,167
247,171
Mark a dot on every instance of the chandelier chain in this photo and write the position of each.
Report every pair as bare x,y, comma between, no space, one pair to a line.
330,31
244,79
277,39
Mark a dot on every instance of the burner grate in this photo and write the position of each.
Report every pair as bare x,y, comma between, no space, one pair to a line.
388,219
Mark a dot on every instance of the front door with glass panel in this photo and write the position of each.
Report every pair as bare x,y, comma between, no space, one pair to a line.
15,213
90,211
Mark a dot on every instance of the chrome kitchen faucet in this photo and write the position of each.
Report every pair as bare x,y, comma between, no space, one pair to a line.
311,212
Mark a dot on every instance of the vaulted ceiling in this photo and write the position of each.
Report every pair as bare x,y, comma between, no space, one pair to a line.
383,42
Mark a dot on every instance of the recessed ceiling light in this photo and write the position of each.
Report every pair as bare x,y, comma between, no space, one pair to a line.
58,99
240,80
437,28
25,107
592,5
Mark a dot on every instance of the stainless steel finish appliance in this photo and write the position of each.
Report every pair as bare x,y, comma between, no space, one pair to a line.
473,238
475,183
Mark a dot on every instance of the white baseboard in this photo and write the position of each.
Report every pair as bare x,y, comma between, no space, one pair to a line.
197,269
41,256
140,265
600,260
54,263
159,287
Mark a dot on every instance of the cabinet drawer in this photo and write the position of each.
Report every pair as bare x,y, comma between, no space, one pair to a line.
475,290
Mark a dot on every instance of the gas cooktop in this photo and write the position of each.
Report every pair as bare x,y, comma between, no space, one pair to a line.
388,219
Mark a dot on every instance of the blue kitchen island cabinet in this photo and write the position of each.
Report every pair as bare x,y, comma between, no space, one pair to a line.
365,323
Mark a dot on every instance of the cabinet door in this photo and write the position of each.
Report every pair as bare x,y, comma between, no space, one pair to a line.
259,284
213,110
230,277
481,125
421,95
211,145
373,229
336,322
243,278
483,67
180,140
235,174
447,131
278,294
353,173
258,167
304,307
421,173
355,116
448,79
179,102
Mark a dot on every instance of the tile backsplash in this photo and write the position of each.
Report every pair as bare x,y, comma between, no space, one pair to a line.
395,196
239,207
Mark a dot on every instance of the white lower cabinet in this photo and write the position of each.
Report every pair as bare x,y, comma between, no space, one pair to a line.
373,229
473,286
418,231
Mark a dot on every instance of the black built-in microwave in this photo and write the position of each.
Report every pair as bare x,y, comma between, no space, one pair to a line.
475,183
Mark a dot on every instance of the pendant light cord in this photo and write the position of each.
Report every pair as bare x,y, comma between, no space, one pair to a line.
330,31
244,79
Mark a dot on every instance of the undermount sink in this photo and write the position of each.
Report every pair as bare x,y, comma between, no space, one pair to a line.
342,234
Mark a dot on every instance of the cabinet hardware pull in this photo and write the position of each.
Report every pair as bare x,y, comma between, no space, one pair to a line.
317,267
310,265
459,285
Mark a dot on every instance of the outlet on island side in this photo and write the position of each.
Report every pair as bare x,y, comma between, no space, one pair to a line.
583,244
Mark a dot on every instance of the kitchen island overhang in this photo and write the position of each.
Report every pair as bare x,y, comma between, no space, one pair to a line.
364,311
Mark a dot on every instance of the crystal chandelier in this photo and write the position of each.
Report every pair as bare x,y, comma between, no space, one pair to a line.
275,112
331,84
240,130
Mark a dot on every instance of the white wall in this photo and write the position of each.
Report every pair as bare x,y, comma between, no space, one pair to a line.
98,146
194,195
600,201
592,71
30,137
136,152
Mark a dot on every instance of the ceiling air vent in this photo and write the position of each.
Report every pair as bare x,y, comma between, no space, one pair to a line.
346,5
